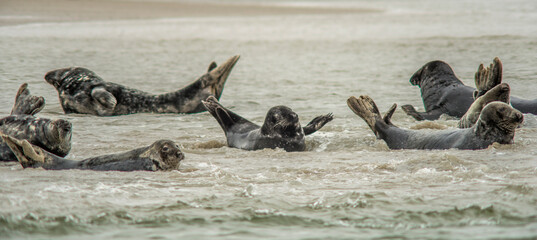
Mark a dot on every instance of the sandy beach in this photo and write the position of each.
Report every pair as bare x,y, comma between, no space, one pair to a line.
14,12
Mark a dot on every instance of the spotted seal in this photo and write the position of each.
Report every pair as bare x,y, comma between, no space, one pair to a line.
83,91
281,128
53,135
443,93
497,123
161,155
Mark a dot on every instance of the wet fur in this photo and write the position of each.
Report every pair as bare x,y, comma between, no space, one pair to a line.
82,91
443,93
497,123
161,155
281,128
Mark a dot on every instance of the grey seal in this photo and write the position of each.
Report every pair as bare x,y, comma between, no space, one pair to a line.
497,123
443,93
161,155
53,135
83,91
498,93
281,128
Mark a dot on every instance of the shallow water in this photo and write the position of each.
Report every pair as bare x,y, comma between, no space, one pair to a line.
347,184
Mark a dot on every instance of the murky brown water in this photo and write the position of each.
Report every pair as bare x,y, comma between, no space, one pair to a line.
347,185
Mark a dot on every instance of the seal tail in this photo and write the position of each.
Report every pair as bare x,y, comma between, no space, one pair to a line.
25,103
487,78
27,154
365,107
220,75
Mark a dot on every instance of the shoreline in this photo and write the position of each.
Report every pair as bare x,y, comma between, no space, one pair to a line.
17,12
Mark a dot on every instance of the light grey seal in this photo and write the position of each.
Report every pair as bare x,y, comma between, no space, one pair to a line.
497,123
281,128
82,91
161,155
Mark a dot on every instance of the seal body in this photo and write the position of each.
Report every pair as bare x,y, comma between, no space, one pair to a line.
281,128
51,135
497,123
83,91
443,93
161,155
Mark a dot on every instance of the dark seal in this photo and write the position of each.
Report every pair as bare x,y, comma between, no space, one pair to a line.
82,91
161,155
443,93
497,123
281,128
53,135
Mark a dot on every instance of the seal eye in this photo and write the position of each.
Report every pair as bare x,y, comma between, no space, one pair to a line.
165,149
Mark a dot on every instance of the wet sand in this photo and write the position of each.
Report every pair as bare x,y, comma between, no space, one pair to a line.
14,12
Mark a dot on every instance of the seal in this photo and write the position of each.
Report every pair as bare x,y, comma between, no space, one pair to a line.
161,155
281,128
83,91
497,123
51,135
443,93
26,103
498,93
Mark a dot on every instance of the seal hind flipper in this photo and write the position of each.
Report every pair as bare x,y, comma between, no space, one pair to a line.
317,123
487,78
104,97
366,108
26,153
25,103
212,66
226,118
388,115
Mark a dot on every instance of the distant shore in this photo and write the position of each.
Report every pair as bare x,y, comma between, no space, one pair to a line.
15,12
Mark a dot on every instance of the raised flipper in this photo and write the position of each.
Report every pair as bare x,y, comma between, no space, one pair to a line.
317,123
27,154
226,118
388,115
25,103
487,78
212,66
366,108
104,97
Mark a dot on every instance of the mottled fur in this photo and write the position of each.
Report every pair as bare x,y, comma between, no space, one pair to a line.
498,93
82,91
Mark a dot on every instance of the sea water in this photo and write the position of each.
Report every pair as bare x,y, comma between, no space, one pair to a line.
346,185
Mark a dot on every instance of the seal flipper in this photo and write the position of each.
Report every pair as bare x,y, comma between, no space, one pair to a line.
25,103
317,123
226,118
212,66
420,116
487,78
388,116
26,153
104,97
366,108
